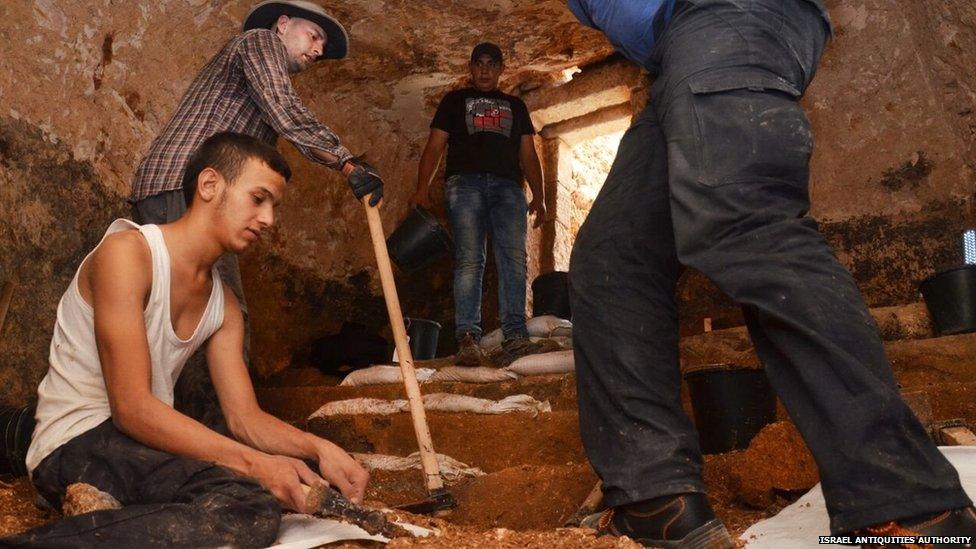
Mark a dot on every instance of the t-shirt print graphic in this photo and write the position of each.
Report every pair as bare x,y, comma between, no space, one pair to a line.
487,114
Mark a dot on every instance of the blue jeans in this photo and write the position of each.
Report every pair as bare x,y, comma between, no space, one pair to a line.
714,175
480,204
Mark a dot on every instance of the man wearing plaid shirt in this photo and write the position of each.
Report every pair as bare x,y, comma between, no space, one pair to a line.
247,88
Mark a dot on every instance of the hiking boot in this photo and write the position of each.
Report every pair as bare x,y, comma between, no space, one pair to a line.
684,521
515,348
954,528
469,353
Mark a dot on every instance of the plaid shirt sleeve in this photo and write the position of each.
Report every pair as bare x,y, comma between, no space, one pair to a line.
265,61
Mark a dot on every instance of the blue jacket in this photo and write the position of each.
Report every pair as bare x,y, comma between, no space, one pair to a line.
628,24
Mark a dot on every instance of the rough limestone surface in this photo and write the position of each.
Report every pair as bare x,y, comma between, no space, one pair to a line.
89,84
84,87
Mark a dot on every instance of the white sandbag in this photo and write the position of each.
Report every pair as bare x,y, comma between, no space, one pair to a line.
562,331
357,406
559,362
438,402
520,403
450,468
562,342
464,374
492,340
382,375
447,402
565,343
548,326
540,327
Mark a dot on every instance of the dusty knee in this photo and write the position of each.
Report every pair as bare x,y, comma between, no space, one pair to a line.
241,512
246,517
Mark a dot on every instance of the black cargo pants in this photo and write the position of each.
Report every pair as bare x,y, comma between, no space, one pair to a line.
713,175
168,501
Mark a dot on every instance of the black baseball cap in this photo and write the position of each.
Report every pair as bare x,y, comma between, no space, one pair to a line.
489,49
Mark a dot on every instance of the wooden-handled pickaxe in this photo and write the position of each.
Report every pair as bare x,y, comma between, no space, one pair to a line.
439,499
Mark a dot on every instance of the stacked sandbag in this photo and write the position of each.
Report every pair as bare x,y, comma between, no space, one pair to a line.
559,362
545,326
360,406
435,402
383,375
549,326
491,341
466,374
447,402
451,469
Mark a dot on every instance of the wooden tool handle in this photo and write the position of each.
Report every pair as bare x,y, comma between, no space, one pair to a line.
588,507
427,457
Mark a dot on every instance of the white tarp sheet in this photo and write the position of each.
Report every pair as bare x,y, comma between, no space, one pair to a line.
307,531
800,525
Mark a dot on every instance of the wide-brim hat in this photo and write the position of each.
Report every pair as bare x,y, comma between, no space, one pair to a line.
265,14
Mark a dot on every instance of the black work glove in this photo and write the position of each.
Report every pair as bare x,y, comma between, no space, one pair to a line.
364,180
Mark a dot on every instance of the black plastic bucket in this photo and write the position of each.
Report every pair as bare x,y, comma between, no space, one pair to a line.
423,337
418,241
950,296
16,428
731,404
550,295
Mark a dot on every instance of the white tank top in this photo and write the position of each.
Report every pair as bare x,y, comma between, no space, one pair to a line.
72,398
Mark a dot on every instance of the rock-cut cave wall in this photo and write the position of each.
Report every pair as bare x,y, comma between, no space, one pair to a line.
84,86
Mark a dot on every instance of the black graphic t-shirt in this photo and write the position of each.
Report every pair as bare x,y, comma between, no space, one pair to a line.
486,129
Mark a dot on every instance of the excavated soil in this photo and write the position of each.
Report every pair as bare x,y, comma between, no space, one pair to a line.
17,510
297,403
952,401
501,538
524,498
534,499
512,439
777,462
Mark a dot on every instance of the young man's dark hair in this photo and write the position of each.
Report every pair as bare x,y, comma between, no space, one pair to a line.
227,152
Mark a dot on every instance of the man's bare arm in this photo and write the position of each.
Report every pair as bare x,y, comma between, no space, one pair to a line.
431,157
120,279
532,169
261,430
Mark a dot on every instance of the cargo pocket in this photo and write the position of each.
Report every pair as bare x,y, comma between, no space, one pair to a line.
749,128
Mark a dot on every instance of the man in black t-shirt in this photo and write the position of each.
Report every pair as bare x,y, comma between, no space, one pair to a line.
488,137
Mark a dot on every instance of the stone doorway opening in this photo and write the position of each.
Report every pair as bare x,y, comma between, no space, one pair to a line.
580,124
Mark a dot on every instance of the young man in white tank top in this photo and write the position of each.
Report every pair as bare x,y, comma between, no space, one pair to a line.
141,303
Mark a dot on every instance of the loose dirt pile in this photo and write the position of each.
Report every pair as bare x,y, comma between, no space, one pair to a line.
17,510
776,462
501,538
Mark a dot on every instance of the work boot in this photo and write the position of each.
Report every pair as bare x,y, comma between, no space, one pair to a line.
469,353
683,521
515,348
953,523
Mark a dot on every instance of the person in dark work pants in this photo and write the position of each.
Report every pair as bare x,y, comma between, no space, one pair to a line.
713,174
